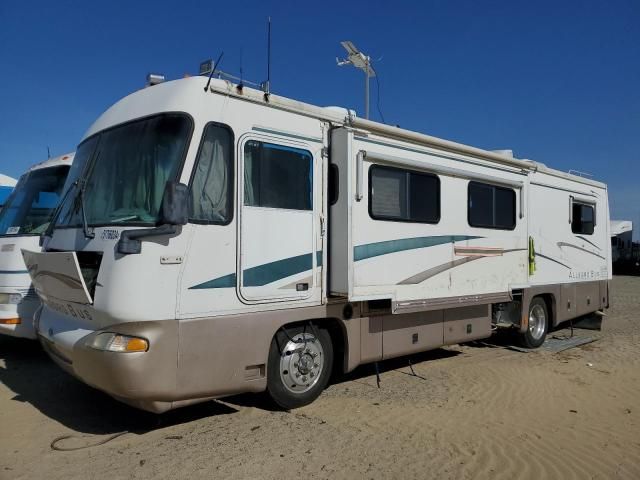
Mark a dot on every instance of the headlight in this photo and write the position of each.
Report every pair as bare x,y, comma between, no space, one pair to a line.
114,342
10,298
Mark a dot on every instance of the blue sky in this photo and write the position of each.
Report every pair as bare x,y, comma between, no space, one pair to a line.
557,82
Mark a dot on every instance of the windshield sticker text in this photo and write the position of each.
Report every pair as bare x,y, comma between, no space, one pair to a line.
110,234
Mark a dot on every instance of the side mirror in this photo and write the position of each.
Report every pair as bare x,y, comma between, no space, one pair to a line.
174,209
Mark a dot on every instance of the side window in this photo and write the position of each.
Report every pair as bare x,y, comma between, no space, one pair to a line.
582,218
276,176
491,206
403,195
211,191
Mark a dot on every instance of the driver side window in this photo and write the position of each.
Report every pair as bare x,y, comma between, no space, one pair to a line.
211,190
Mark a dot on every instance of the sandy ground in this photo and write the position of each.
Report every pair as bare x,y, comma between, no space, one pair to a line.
478,412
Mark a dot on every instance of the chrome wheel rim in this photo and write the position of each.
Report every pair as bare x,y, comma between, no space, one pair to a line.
301,363
537,322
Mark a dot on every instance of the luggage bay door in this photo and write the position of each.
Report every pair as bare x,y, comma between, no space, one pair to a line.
278,210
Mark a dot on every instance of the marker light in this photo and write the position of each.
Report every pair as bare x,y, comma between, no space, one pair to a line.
10,321
154,79
114,342
10,298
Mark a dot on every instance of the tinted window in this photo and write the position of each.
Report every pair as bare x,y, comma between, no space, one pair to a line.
277,176
33,202
582,219
211,197
403,195
491,206
127,171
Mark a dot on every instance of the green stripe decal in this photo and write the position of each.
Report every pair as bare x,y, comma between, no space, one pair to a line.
265,274
228,281
369,250
273,271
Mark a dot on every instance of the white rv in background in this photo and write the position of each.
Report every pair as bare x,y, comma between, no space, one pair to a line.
6,187
25,216
621,240
222,240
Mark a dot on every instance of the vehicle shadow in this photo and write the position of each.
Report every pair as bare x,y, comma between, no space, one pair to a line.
263,402
27,371
34,378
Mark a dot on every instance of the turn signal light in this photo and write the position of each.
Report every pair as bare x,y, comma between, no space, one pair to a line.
10,321
114,342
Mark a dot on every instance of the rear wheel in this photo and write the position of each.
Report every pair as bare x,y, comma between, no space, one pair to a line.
299,366
538,324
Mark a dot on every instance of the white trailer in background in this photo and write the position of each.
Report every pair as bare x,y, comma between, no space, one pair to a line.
24,217
6,187
621,240
220,240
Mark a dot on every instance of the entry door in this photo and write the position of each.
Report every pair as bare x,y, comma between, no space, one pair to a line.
277,259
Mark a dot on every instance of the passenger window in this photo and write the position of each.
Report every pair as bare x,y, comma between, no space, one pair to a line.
276,176
491,206
582,219
402,195
211,193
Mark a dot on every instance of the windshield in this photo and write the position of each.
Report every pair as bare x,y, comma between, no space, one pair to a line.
124,171
30,207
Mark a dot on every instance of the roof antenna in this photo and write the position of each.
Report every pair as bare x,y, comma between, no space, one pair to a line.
241,84
213,69
266,86
48,152
363,62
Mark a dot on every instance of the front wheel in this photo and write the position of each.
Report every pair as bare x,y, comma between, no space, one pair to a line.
299,365
538,324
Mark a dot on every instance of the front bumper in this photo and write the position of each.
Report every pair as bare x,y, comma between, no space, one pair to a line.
24,311
146,380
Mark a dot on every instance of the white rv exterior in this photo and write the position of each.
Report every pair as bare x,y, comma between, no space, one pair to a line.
6,187
313,238
26,214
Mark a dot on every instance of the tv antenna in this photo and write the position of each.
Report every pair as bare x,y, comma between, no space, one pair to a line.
363,62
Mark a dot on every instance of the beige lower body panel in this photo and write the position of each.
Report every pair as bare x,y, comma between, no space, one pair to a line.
198,359
568,300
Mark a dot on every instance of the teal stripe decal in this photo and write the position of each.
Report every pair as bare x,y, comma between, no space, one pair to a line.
271,272
5,272
362,252
285,134
265,274
228,281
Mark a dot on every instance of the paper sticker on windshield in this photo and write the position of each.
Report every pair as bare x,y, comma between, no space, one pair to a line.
13,230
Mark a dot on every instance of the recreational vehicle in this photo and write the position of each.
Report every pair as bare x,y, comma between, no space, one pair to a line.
218,239
26,214
6,187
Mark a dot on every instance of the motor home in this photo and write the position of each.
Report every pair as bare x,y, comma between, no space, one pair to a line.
26,215
218,240
6,187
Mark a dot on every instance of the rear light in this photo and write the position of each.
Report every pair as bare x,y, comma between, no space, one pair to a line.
10,321
114,342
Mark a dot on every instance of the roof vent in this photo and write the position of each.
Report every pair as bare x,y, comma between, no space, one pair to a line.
505,153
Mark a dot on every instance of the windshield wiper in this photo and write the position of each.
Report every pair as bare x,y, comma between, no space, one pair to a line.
56,213
88,232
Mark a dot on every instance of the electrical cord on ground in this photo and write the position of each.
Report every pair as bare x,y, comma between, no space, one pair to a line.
54,442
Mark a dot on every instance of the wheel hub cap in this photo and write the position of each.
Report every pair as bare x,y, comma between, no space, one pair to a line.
301,363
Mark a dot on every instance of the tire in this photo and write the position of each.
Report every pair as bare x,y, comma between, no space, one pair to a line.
538,324
295,377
